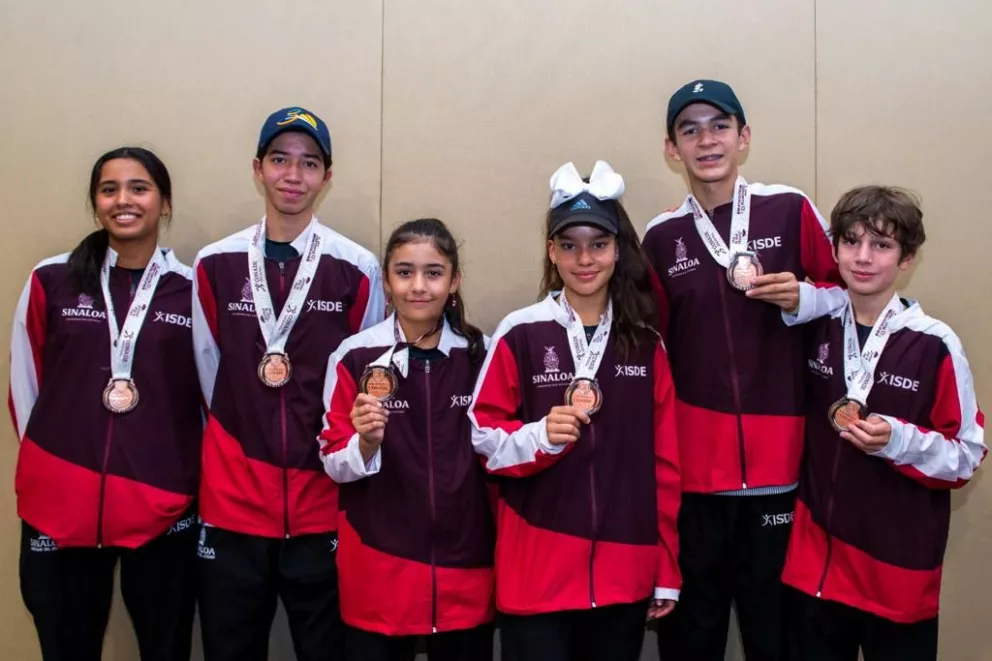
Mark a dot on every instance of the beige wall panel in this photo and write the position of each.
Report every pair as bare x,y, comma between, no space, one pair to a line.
902,88
484,99
193,81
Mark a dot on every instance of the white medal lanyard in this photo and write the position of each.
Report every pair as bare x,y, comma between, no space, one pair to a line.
740,219
275,331
401,358
860,363
123,340
587,355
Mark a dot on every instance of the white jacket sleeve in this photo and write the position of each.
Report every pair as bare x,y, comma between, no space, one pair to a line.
26,343
205,341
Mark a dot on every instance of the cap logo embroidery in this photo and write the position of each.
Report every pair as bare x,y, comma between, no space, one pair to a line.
580,205
298,114
697,88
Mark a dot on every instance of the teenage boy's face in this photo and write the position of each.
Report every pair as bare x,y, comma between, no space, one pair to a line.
292,173
869,263
708,141
585,257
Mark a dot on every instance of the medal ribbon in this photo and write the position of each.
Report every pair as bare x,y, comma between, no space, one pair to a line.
860,364
275,332
123,340
587,355
399,353
739,222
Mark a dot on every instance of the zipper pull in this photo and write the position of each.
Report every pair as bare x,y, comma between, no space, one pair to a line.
282,268
427,366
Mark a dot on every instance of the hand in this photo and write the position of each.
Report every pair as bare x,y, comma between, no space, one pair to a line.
369,419
781,289
659,608
563,424
869,435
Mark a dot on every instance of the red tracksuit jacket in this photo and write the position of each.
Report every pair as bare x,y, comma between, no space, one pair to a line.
416,534
86,476
261,472
870,531
737,367
592,523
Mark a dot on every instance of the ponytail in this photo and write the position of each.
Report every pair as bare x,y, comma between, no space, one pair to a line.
85,262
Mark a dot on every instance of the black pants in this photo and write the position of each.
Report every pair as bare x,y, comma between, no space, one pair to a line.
464,645
242,576
69,591
821,630
610,633
731,550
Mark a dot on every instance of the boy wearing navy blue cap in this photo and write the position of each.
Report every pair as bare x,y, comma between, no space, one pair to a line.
270,304
728,260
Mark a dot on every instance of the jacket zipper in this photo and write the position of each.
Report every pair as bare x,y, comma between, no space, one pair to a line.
829,522
106,458
430,489
595,516
282,405
103,483
735,385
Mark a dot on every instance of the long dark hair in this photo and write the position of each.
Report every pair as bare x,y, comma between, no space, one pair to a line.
437,234
635,308
86,260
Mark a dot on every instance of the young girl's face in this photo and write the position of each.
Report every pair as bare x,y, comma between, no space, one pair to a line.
127,202
585,257
420,279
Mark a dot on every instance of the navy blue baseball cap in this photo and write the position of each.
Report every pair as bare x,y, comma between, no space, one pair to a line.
712,92
295,118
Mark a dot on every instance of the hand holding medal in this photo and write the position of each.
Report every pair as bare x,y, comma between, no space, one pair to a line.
849,414
781,289
869,435
563,424
369,418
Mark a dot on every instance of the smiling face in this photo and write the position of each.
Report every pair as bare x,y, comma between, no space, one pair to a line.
708,142
127,202
870,261
419,280
292,173
585,257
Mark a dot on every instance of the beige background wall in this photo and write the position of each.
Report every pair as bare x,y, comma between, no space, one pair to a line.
463,109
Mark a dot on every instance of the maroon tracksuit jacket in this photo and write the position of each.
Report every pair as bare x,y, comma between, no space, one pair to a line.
591,523
870,531
416,535
261,472
737,367
86,476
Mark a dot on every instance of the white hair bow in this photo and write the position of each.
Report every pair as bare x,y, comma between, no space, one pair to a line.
604,183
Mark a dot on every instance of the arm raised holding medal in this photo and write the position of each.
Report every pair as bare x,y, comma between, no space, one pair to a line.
369,419
416,518
892,424
564,407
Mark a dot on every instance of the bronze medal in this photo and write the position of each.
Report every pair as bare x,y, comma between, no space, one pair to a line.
743,268
120,396
379,382
845,412
275,370
585,395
